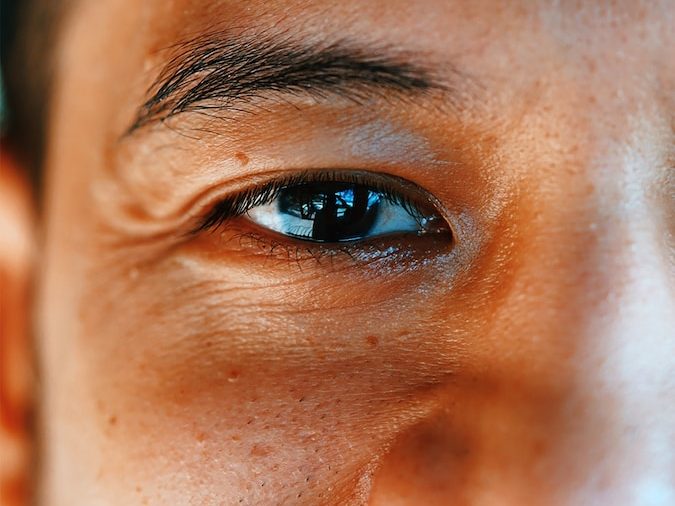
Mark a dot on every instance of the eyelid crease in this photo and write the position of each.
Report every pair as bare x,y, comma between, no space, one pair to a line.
393,188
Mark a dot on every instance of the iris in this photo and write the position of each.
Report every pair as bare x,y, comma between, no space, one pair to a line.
337,212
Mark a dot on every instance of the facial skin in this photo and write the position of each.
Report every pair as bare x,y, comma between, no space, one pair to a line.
527,361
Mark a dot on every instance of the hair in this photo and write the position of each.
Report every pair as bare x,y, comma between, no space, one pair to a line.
28,34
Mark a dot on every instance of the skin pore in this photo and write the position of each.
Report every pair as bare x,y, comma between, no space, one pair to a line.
525,357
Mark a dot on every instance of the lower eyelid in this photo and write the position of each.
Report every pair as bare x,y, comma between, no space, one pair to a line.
284,249
245,240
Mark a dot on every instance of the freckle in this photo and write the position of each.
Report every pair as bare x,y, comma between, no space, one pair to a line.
200,436
260,450
372,341
404,334
592,66
112,420
235,438
242,157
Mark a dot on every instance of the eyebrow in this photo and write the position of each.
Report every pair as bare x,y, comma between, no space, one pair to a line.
221,74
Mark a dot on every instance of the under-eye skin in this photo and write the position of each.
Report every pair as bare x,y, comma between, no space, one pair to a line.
340,210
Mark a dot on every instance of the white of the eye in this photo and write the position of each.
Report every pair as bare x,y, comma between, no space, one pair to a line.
391,218
394,218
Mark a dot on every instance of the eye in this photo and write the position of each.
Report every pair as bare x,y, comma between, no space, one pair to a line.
338,212
334,207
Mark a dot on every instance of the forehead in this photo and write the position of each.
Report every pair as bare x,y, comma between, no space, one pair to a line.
565,21
440,24
512,48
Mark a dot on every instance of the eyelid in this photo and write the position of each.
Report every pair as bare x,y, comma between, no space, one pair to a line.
399,190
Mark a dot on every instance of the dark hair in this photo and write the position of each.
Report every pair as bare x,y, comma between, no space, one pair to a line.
28,31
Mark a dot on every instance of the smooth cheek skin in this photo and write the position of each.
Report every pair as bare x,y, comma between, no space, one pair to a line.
530,362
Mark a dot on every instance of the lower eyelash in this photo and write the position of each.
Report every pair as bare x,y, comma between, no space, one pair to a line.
332,256
289,252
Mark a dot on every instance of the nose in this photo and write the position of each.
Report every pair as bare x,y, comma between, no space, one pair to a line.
625,398
580,405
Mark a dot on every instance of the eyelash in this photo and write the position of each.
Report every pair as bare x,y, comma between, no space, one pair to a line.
394,189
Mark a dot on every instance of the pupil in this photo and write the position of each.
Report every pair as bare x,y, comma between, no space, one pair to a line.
338,211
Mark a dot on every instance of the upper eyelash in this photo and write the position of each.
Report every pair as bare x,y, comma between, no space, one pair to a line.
392,188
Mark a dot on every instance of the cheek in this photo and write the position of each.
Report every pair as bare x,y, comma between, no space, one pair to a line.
287,387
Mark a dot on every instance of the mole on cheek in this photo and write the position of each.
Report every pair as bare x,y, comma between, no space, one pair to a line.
372,341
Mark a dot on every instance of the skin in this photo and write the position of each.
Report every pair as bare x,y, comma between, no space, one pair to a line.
529,363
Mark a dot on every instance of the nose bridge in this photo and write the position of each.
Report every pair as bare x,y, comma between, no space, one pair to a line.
593,217
619,410
619,278
605,292
627,343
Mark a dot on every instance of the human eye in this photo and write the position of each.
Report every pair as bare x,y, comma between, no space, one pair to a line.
345,208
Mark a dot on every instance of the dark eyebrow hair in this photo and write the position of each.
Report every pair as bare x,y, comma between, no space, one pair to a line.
221,73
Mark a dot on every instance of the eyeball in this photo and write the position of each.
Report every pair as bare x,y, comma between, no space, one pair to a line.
333,212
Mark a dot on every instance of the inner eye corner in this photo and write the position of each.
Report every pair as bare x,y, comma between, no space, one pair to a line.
441,212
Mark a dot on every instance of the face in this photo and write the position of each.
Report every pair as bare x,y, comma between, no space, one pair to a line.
311,252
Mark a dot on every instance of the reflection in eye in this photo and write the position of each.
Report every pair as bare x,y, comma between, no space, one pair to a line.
333,211
333,207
